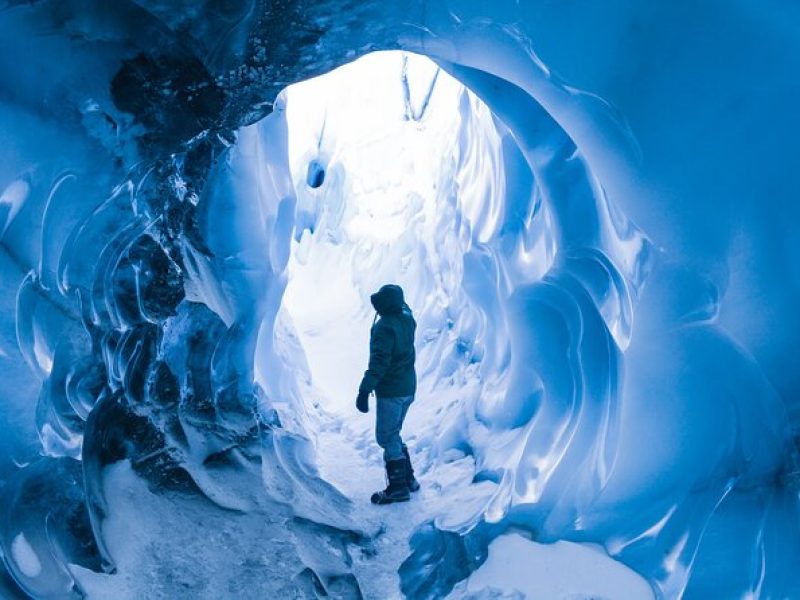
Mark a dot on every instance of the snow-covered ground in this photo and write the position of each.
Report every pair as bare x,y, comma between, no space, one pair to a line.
517,567
183,546
520,568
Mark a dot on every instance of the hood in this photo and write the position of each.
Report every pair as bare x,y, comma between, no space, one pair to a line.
388,300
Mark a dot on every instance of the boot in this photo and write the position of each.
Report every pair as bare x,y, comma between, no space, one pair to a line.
397,490
411,481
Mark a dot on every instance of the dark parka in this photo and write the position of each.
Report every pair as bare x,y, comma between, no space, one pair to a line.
391,371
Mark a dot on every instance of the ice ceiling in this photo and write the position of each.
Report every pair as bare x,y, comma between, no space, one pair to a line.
599,239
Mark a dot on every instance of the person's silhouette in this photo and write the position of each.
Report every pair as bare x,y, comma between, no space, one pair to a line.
392,377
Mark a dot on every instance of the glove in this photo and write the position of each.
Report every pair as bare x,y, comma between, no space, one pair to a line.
362,402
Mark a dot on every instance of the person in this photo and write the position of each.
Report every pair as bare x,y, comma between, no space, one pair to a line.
391,375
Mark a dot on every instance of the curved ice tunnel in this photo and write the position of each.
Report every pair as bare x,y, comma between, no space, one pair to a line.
612,407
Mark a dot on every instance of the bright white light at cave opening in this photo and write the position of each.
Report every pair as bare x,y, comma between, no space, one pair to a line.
385,194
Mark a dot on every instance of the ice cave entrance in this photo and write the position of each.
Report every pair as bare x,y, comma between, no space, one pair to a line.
395,165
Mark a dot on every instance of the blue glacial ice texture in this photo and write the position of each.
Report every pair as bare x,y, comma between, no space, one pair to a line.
638,389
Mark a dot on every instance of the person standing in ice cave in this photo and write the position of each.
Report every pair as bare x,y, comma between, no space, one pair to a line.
391,375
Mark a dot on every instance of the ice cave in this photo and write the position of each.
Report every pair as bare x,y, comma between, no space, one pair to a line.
591,208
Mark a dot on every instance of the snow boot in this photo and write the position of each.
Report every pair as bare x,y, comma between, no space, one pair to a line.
397,490
411,481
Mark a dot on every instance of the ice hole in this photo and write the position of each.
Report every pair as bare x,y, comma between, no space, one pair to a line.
397,170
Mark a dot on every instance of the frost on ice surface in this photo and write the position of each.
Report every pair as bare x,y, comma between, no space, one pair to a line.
591,208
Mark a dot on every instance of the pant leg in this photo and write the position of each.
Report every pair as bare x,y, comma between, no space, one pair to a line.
406,405
388,421
407,400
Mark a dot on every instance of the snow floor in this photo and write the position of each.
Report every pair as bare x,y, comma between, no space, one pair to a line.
520,568
516,567
179,546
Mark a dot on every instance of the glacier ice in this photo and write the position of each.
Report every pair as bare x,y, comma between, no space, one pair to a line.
590,206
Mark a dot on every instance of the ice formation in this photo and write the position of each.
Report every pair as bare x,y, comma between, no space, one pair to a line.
590,206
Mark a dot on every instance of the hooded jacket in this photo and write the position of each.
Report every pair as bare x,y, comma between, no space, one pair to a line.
391,346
